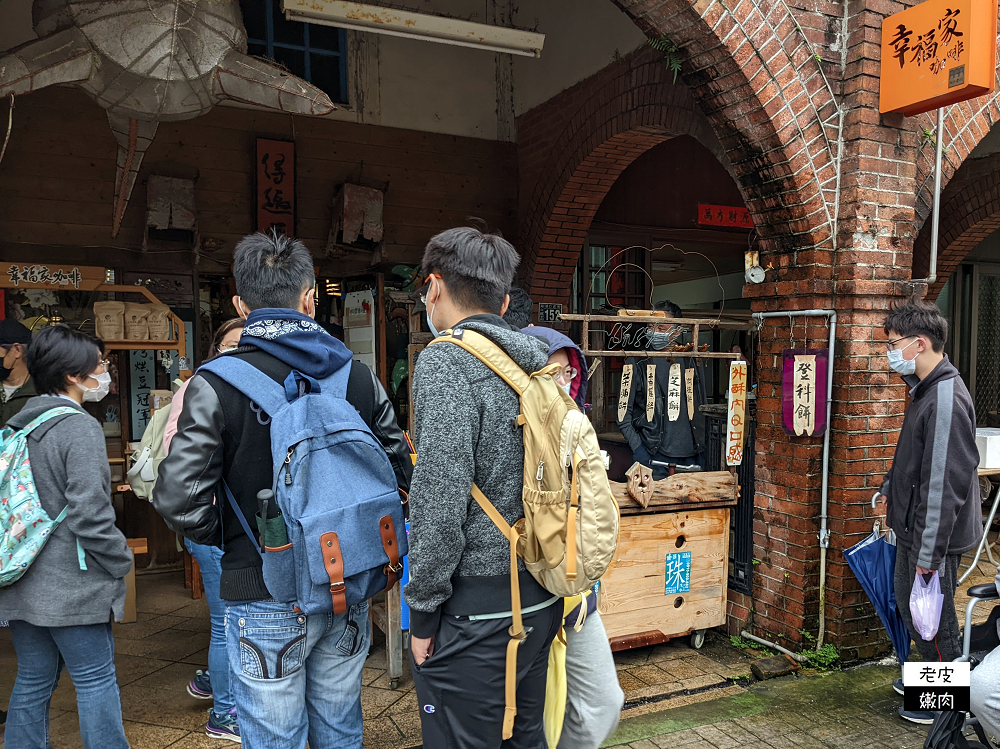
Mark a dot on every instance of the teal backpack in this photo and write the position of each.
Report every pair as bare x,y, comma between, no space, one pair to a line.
24,525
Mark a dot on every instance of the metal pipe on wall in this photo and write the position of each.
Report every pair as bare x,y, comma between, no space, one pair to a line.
824,531
936,215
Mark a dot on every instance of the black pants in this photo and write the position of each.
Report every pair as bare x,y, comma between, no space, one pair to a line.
460,688
947,646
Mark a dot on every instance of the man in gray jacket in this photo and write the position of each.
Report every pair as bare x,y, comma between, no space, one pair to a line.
466,431
932,487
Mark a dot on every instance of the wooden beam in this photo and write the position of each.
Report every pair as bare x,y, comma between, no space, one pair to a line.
714,488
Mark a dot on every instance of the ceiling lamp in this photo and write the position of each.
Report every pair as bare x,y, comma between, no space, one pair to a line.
380,20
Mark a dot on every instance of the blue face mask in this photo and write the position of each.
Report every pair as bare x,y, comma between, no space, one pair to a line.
901,365
659,341
429,313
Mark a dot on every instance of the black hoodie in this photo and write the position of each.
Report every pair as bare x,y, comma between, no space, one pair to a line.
933,487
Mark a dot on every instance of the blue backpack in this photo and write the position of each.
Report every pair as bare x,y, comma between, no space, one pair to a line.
336,490
25,527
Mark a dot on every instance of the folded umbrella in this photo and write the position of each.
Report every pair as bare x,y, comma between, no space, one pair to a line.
873,562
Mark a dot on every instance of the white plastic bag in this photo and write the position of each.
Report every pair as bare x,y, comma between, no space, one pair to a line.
926,601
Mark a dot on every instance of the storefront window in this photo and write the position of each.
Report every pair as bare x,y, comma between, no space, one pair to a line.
313,52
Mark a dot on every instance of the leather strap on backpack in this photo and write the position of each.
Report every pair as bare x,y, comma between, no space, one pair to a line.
516,631
574,509
334,563
393,570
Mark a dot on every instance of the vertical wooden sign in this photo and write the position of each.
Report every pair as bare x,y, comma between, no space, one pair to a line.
674,392
736,416
650,391
625,391
689,391
804,395
275,199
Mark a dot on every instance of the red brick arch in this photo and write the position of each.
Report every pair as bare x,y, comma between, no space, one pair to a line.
970,212
754,95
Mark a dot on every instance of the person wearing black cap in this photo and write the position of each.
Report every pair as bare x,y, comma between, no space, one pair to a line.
17,384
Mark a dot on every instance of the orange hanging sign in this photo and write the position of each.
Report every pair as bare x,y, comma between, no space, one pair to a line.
936,53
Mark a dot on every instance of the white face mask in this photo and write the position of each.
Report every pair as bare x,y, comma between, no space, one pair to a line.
566,387
93,395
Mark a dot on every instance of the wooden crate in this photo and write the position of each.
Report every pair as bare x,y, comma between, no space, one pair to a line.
632,601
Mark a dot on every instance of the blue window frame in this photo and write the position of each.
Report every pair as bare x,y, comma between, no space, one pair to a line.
313,52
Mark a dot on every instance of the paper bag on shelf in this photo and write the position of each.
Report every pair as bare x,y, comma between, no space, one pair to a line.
109,320
136,322
159,322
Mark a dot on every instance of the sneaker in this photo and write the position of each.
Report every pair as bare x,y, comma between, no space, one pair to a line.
922,717
224,726
200,687
897,687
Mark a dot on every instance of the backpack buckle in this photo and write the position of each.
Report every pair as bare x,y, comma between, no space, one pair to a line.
394,569
337,587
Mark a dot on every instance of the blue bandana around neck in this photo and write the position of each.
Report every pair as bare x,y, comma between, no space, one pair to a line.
295,339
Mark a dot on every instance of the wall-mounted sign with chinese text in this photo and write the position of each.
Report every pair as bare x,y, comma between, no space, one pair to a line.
142,379
724,215
936,53
65,277
736,415
803,391
275,185
677,573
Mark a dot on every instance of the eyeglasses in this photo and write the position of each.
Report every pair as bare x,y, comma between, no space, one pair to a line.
425,289
566,374
227,349
890,345
103,365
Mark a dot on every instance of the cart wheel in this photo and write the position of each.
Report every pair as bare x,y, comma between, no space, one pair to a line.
393,683
698,639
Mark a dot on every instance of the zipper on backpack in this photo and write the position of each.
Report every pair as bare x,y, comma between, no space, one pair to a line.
539,474
288,466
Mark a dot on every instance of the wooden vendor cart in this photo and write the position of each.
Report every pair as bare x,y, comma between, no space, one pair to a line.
669,574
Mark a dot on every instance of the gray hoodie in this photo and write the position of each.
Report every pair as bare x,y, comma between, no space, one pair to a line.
69,463
465,430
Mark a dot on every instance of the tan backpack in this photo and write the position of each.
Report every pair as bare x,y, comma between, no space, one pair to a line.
570,527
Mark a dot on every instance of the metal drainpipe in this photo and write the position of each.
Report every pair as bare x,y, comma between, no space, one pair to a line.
824,531
936,215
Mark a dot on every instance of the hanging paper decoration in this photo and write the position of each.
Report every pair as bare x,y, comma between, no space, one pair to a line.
736,416
650,391
803,396
689,391
150,61
674,392
625,391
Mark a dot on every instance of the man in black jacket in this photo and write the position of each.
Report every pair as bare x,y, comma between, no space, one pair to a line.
294,677
932,488
666,425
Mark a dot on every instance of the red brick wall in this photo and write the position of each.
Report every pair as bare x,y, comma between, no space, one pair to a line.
770,79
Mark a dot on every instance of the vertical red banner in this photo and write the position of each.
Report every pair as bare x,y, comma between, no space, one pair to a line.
275,185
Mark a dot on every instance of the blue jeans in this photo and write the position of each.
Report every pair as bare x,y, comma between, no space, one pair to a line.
296,677
209,559
88,652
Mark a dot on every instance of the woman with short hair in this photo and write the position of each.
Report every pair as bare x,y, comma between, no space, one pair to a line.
61,609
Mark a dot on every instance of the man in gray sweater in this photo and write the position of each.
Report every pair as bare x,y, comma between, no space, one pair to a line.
466,430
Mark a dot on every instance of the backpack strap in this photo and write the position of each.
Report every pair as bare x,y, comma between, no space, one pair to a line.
43,417
242,518
250,381
336,384
489,354
517,633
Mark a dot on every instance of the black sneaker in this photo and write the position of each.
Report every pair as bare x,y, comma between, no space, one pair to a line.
897,687
921,717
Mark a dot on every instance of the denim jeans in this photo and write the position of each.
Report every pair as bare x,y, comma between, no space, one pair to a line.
296,677
209,559
88,652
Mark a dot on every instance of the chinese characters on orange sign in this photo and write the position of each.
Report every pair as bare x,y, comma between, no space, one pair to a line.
936,53
804,395
736,416
275,185
724,215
